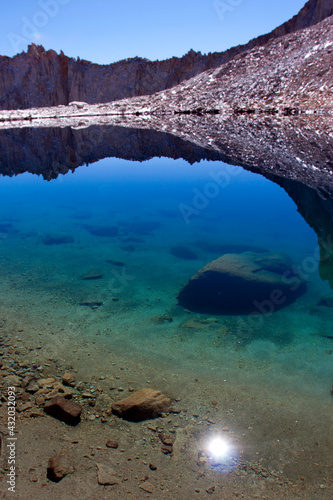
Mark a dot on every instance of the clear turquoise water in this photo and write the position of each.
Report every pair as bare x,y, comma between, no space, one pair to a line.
155,206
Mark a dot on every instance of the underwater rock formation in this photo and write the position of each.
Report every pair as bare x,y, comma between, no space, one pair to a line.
58,239
183,253
245,283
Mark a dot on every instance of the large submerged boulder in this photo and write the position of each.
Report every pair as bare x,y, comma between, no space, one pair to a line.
246,283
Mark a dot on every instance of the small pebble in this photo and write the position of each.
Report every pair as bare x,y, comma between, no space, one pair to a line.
174,410
210,421
112,444
148,487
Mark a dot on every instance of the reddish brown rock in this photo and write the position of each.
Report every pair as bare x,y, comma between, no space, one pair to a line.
32,387
60,465
103,404
64,410
68,379
166,449
141,405
167,443
112,444
51,390
166,439
146,486
106,475
172,409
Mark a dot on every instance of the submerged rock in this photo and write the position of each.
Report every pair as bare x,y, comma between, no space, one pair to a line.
115,262
326,301
160,319
106,475
183,253
243,284
12,380
197,324
141,405
144,228
146,486
103,404
92,304
58,239
128,248
60,465
92,276
6,228
50,388
103,231
68,379
112,444
64,410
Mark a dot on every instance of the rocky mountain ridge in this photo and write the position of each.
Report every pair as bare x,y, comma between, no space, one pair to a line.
41,78
290,75
294,72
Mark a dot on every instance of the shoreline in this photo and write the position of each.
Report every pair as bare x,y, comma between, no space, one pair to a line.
65,116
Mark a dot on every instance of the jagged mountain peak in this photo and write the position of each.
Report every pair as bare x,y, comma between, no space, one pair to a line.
58,79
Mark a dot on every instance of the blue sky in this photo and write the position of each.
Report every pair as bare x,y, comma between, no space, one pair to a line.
105,31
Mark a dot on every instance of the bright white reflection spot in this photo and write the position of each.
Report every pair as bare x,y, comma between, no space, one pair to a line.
218,448
220,453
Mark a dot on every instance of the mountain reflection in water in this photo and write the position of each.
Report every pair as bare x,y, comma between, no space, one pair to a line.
294,152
